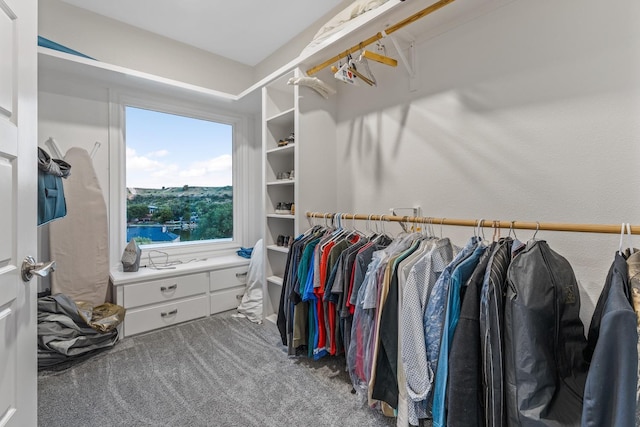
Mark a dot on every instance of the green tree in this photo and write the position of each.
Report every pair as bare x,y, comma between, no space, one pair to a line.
215,223
163,214
186,213
137,210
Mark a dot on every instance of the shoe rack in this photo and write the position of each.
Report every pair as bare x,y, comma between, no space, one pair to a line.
278,113
298,142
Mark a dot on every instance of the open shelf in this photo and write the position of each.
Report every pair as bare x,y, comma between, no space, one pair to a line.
275,280
282,150
283,118
283,249
280,216
282,182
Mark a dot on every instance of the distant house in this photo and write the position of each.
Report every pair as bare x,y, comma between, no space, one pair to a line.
152,209
157,233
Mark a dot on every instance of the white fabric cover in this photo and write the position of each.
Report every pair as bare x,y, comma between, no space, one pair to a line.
355,9
79,241
251,304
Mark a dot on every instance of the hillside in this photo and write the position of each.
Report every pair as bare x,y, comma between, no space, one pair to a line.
217,193
198,212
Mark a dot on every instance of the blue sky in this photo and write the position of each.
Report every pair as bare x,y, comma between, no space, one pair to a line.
171,151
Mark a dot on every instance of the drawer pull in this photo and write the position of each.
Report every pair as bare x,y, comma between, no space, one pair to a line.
169,313
238,275
170,288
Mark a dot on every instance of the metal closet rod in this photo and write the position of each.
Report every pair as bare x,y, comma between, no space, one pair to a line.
551,226
392,29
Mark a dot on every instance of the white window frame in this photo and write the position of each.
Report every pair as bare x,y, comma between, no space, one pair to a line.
184,251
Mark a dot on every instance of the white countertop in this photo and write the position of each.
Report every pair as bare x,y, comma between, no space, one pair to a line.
201,265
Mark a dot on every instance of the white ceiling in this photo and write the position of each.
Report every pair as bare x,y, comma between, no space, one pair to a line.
246,31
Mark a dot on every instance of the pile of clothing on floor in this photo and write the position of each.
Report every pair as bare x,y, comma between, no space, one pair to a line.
70,331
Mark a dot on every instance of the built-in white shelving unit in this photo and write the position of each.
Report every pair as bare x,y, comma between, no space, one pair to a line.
278,112
286,109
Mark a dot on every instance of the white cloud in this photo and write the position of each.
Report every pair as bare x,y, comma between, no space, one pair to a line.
143,172
159,153
139,163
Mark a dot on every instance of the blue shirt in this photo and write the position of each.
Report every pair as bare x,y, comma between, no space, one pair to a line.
433,319
459,276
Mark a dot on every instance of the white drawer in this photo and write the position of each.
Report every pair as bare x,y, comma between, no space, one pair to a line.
227,299
149,318
164,290
228,278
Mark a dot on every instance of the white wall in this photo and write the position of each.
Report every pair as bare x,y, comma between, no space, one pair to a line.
116,43
529,113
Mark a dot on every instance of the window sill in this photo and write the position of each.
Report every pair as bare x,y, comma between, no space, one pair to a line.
145,273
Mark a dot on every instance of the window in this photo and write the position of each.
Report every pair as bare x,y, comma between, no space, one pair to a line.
179,178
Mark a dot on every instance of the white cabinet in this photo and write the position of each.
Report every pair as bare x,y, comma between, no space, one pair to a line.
148,318
299,110
163,290
226,287
159,298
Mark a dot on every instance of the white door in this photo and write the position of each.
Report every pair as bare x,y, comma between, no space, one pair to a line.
18,178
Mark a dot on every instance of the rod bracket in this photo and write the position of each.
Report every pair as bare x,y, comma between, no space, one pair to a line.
408,62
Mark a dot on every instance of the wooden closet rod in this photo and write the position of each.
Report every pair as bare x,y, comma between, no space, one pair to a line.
551,226
392,29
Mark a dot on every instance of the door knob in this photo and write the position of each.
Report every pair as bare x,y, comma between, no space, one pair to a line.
31,267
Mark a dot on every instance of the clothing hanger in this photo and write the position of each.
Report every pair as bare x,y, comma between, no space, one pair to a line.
96,146
383,59
352,68
628,226
310,218
345,74
361,76
512,230
338,232
537,229
496,231
355,229
481,235
379,58
363,60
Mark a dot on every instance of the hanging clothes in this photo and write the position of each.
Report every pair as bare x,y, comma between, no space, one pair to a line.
473,336
434,316
609,393
385,386
404,269
545,370
420,282
465,401
292,311
492,295
459,276
390,255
